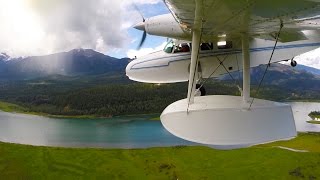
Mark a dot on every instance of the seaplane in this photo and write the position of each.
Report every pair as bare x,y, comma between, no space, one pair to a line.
211,38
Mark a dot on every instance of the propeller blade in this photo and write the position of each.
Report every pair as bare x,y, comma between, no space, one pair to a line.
140,26
138,10
142,39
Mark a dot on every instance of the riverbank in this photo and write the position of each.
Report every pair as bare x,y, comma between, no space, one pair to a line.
14,108
259,162
10,107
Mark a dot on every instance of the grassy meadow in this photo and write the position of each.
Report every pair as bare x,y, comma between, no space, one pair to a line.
266,161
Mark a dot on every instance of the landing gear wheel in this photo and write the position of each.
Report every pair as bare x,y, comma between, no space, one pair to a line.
202,89
293,63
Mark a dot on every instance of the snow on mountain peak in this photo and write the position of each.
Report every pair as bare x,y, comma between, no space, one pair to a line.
4,57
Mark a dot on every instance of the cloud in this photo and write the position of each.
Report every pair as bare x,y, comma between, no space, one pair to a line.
38,27
35,27
147,1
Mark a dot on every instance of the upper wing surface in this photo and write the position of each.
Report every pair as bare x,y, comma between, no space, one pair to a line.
256,17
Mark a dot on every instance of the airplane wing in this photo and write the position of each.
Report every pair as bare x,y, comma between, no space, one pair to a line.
258,18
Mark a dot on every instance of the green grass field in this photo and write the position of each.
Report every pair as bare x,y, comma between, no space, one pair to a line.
9,107
259,162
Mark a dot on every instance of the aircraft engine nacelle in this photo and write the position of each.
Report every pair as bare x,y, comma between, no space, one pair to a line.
163,25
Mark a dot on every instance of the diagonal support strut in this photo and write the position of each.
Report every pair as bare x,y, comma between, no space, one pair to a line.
196,38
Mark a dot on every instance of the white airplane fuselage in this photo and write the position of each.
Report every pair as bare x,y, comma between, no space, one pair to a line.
163,67
171,67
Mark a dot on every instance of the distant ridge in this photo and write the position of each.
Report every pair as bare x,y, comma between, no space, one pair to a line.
76,62
84,62
308,69
282,76
4,57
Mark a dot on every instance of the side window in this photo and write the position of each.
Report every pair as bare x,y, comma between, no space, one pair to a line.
184,47
206,46
169,47
224,44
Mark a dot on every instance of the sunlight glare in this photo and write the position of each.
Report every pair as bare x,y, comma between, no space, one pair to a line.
21,23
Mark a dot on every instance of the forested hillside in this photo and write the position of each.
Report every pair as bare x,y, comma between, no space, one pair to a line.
101,96
102,100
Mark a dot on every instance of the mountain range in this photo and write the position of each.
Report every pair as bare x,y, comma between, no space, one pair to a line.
87,62
287,77
77,62
281,75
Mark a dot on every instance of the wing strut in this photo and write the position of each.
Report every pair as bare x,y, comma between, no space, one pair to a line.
246,69
196,37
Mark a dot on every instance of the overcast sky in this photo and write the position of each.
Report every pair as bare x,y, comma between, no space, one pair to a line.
38,27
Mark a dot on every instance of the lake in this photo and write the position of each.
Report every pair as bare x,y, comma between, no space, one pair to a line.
118,132
300,112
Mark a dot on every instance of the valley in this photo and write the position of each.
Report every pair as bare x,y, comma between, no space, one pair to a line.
98,87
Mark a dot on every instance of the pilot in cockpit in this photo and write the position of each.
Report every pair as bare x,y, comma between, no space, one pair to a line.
184,47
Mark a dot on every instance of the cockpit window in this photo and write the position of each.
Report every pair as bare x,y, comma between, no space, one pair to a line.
172,48
169,47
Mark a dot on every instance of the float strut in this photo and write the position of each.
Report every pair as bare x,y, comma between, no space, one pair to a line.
246,68
196,37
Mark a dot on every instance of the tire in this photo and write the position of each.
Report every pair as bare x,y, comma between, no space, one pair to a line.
293,63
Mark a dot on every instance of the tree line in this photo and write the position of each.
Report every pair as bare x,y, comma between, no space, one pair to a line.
111,99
